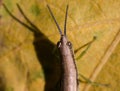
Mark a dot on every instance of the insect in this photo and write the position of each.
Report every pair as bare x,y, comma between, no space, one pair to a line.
69,71
69,79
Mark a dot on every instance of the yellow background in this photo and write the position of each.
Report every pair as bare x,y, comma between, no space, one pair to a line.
22,70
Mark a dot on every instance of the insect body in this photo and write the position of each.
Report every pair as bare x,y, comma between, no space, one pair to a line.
69,71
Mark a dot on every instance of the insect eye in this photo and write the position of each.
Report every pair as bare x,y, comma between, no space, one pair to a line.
58,44
69,44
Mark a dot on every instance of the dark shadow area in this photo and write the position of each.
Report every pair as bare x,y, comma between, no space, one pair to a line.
44,51
2,83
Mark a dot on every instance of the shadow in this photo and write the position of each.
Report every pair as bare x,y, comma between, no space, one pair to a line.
2,83
44,51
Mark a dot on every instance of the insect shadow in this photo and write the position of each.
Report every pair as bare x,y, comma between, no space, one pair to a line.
2,82
44,51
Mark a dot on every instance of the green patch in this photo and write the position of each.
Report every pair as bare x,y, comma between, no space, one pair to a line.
9,89
9,4
35,10
37,74
99,34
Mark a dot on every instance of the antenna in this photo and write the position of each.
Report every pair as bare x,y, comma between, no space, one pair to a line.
65,20
55,20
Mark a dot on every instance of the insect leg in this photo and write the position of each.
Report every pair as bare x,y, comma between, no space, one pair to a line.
86,80
84,51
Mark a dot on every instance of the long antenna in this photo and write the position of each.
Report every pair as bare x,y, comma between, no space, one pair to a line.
55,20
65,20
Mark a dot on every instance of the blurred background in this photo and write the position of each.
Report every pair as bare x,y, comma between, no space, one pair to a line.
28,61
